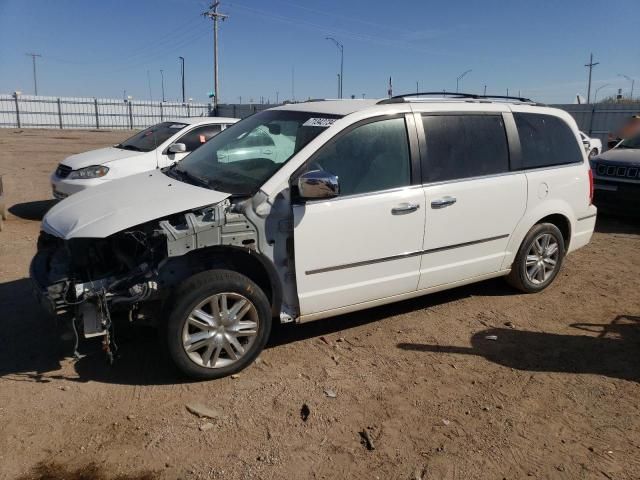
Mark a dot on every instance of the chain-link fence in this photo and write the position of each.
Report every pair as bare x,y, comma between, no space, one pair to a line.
27,111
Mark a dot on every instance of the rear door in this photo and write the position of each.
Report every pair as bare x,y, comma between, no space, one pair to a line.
473,200
365,244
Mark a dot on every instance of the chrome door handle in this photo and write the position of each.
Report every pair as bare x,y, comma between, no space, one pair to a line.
443,202
405,208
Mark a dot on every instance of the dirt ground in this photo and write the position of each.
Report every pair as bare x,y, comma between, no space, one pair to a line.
554,396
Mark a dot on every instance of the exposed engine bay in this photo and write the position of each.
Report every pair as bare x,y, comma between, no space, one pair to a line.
130,273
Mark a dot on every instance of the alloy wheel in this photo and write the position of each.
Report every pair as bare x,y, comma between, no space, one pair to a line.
542,258
220,330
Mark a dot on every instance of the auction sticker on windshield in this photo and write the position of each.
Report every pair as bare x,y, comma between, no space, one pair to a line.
319,122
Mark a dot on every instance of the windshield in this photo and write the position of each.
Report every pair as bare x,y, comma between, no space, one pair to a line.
241,158
149,139
633,142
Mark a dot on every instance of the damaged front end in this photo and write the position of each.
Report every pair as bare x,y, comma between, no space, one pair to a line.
87,282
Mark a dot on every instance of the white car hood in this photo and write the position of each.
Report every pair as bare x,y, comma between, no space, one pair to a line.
106,209
98,157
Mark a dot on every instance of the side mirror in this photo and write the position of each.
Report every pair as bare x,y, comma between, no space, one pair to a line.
177,148
318,184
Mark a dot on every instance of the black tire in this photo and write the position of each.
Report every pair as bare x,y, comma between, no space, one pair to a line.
519,278
593,153
191,293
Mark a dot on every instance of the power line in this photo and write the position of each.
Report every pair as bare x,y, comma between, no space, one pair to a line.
214,15
35,76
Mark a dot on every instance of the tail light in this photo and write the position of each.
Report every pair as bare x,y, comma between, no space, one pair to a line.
590,186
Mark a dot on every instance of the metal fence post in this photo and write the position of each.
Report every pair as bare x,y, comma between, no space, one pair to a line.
161,115
188,111
130,116
95,104
59,114
15,97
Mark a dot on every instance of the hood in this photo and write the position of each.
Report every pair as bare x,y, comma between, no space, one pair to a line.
103,210
98,157
627,156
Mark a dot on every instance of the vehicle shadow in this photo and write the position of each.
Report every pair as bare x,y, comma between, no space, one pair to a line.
32,210
610,223
30,348
612,353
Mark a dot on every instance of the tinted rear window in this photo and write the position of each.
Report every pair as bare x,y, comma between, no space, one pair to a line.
463,146
546,141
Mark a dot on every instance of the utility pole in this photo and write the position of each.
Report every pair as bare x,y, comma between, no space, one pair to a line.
590,65
277,97
35,77
485,90
162,82
182,75
341,50
213,14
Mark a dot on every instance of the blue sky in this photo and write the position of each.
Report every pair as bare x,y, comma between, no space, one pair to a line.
101,48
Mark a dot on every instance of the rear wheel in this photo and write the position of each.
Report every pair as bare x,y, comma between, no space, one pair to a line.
219,322
538,260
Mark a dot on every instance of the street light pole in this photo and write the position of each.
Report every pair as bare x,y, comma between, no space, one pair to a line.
595,97
340,48
628,78
460,77
162,82
182,75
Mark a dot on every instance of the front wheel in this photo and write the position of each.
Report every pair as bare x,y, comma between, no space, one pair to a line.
219,322
538,260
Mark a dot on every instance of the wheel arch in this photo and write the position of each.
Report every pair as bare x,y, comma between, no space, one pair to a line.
563,223
248,262
556,213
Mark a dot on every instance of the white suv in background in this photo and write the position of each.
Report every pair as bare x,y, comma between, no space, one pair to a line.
369,202
155,147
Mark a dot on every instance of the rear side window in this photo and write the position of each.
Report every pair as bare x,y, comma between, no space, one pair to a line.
546,141
198,136
463,146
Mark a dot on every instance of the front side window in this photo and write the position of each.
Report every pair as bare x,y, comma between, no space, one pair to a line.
546,141
245,155
150,138
199,136
464,146
372,157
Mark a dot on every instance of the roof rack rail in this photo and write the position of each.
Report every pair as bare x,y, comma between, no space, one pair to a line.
403,98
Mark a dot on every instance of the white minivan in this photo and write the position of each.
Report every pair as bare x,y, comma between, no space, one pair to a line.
155,147
360,203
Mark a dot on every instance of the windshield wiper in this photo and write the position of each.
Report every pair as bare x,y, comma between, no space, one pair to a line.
130,147
194,178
